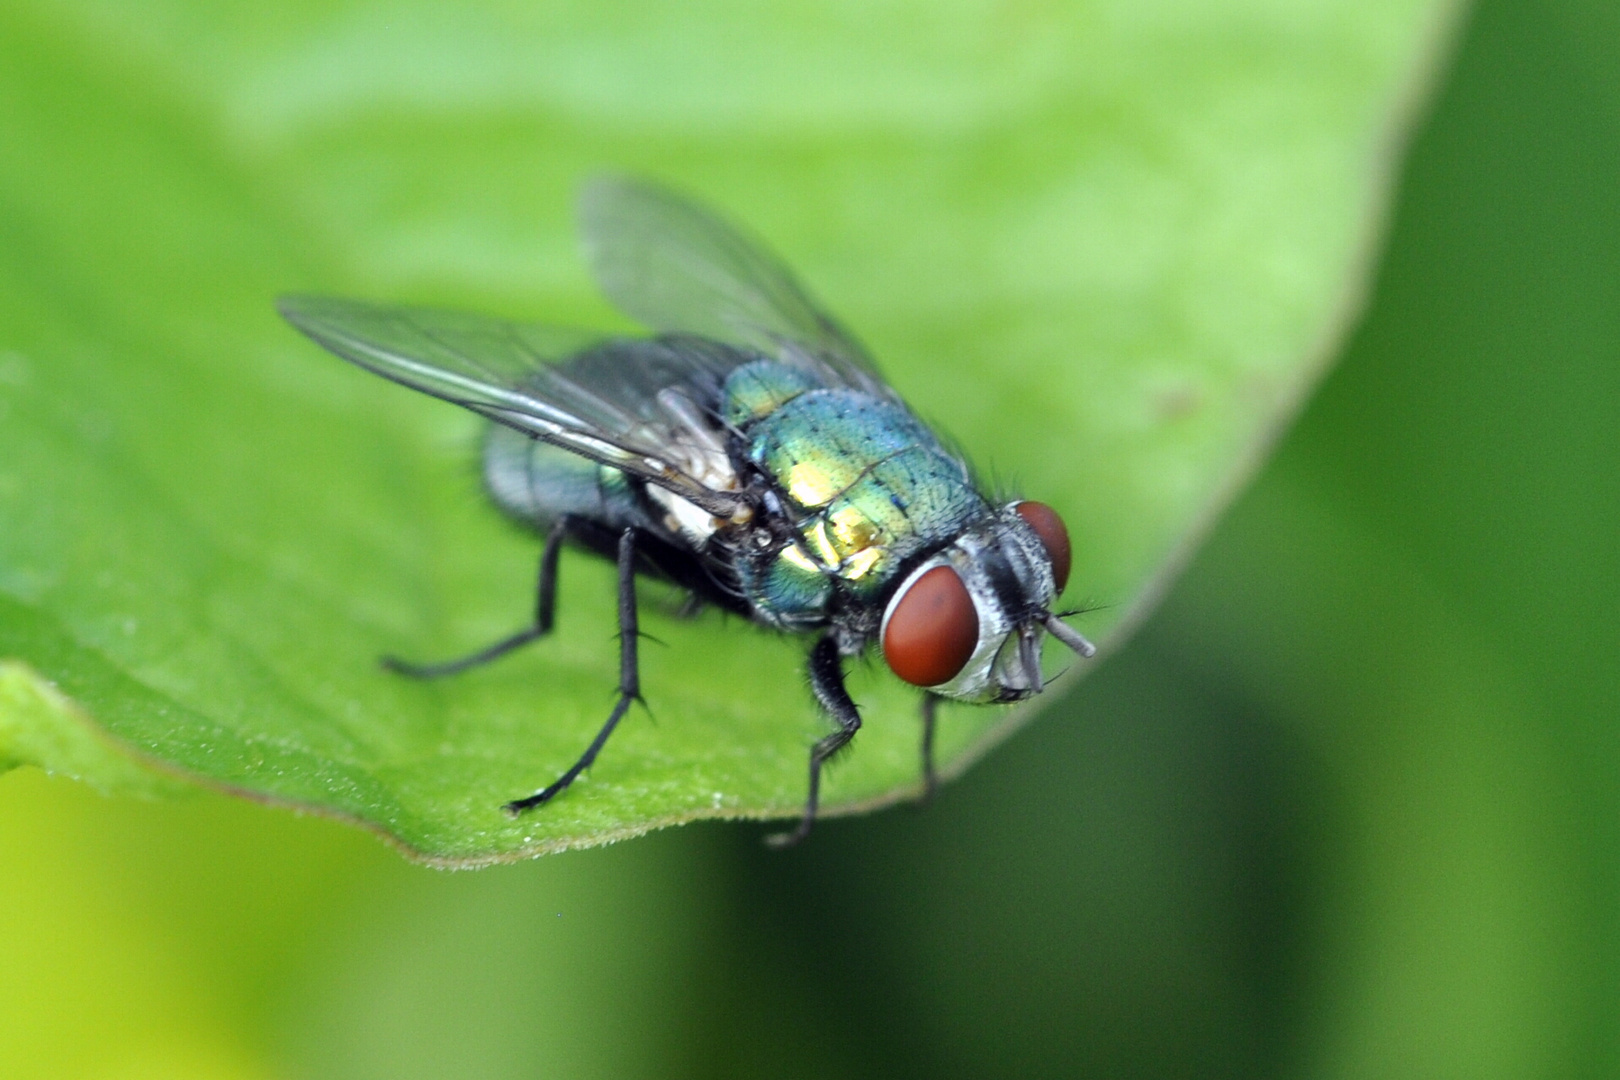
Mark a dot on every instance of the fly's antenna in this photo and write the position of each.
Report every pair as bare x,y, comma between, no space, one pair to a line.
1068,635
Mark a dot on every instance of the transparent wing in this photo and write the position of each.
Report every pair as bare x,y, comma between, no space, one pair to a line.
637,405
675,266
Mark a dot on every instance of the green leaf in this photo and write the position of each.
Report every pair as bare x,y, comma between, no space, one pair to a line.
38,726
1108,248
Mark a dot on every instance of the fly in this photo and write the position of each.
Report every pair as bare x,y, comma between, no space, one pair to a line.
749,453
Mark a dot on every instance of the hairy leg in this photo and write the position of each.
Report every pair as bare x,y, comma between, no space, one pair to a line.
629,680
544,615
827,682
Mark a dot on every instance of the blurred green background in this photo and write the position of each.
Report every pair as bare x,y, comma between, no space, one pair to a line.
1349,805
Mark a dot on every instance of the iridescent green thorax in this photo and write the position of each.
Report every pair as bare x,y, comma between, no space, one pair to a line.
760,388
866,484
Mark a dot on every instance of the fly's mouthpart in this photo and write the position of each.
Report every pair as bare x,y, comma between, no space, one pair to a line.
1068,635
1029,656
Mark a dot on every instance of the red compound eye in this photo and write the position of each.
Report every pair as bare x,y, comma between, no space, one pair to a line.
932,630
1054,537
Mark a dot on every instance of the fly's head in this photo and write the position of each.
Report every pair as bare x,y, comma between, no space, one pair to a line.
967,623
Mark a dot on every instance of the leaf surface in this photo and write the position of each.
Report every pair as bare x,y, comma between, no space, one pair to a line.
1107,248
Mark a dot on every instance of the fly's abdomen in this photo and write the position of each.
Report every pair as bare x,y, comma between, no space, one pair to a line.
538,483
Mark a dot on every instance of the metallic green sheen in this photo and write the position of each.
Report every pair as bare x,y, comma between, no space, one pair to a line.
786,591
756,389
869,485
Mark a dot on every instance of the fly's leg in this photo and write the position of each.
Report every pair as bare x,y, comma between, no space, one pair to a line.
827,682
930,707
629,680
544,615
